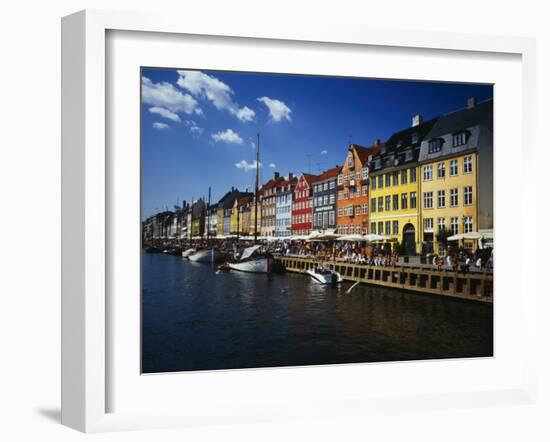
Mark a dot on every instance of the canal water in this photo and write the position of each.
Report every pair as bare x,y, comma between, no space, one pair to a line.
194,318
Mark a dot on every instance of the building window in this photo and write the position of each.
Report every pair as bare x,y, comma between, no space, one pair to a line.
428,225
373,227
358,210
339,181
345,229
453,168
339,229
408,155
441,224
413,174
468,196
351,229
441,170
365,173
346,177
364,190
365,209
427,173
403,201
454,225
380,181
454,197
331,198
468,224
395,202
428,200
332,184
459,139
404,176
357,175
388,203
396,178
340,195
440,198
373,183
396,227
468,164
325,200
345,194
331,219
380,204
414,138
339,211
388,180
435,145
350,159
388,227
373,204
380,227
351,193
413,200
325,186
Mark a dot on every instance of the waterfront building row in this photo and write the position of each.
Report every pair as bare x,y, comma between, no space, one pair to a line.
424,183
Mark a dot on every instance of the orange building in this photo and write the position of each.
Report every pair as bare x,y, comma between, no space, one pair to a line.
352,197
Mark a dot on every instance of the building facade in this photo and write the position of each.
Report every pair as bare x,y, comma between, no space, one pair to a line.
456,175
268,204
324,199
395,187
352,201
302,205
283,207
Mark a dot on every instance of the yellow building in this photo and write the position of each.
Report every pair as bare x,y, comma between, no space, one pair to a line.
395,188
253,213
238,225
456,170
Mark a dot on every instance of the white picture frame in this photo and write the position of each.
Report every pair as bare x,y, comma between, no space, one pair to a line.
85,202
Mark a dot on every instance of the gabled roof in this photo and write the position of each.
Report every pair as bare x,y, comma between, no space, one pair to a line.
364,152
329,173
309,178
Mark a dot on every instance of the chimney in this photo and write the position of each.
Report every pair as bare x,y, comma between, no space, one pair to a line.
232,189
416,120
376,142
472,102
290,176
275,175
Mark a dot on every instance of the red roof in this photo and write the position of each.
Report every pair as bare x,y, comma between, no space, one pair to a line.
309,178
364,152
330,173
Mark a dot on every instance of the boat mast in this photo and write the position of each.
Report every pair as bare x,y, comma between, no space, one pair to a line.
256,189
208,216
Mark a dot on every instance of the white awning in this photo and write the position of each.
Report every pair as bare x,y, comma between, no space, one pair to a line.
374,237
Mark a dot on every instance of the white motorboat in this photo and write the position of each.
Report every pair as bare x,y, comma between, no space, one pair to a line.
251,261
324,275
206,255
188,252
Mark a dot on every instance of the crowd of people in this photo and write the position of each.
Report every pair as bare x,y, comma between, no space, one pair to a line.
383,256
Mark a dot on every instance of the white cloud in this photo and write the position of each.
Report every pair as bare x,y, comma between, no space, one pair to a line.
167,96
227,136
277,109
216,91
272,165
324,152
169,115
243,164
194,129
160,126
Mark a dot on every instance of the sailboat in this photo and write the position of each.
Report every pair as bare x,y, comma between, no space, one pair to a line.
252,260
209,254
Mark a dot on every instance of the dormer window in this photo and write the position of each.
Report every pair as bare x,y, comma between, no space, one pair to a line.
414,138
460,138
435,145
408,155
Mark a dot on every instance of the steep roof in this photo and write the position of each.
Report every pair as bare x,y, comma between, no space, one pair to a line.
310,178
329,173
481,113
364,152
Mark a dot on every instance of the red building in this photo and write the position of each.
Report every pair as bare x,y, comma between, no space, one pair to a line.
302,207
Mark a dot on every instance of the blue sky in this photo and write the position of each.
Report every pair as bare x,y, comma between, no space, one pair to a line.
199,127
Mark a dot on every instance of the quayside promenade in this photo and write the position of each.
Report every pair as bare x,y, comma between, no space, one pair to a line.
475,286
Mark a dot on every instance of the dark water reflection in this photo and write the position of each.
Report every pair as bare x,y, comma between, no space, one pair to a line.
195,319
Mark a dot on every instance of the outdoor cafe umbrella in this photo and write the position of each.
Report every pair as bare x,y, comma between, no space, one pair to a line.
470,235
352,237
374,237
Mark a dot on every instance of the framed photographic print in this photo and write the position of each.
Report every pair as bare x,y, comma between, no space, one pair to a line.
271,223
